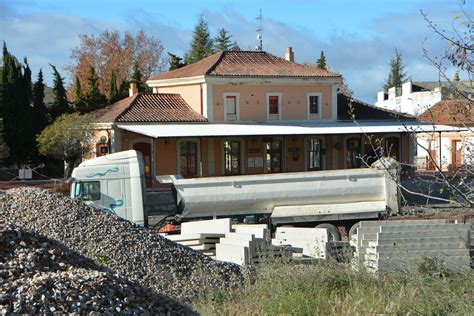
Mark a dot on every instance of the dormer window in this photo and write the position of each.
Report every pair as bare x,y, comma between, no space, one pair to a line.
314,106
274,106
231,106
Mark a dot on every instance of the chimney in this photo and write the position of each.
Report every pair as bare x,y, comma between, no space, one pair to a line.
289,55
133,89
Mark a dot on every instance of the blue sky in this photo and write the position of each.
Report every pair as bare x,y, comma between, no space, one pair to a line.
358,37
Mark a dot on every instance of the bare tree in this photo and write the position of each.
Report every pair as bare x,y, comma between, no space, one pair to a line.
110,52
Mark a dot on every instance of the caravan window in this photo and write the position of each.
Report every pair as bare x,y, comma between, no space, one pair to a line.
89,191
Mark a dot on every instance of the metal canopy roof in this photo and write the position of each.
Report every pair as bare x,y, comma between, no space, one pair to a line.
282,128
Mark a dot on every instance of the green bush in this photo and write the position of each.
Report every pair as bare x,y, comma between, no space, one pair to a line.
321,289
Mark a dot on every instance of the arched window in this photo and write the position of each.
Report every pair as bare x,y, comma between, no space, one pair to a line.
232,162
314,154
188,158
353,153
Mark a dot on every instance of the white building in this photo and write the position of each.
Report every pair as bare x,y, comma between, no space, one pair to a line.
414,99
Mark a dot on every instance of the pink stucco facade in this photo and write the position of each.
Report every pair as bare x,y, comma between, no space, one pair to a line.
253,103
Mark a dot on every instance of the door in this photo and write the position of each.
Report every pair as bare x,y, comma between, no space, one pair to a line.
188,159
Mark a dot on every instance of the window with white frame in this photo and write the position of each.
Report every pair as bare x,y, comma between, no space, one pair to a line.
314,154
314,105
274,106
231,106
232,157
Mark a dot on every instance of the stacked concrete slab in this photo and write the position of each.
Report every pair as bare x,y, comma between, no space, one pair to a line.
202,236
400,245
312,241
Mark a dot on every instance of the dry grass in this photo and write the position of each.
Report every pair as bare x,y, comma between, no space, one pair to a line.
335,289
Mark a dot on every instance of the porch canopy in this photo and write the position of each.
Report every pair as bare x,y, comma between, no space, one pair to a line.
283,128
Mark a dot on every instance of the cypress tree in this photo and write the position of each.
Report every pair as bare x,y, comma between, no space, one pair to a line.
201,44
93,98
16,107
138,78
123,89
4,150
79,103
40,118
9,101
60,104
26,134
113,89
321,62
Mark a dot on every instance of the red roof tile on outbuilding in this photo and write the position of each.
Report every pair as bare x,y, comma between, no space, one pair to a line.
149,107
450,112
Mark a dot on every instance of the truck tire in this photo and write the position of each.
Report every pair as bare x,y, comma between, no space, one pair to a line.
353,230
333,232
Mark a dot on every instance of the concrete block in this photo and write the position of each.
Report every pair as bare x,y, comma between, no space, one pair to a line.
417,246
401,222
232,253
419,240
259,230
435,227
423,234
428,253
214,226
193,237
454,263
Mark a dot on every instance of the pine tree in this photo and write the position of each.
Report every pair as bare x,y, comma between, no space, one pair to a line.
175,62
397,73
222,41
456,77
201,44
114,92
137,78
93,98
60,104
39,110
321,62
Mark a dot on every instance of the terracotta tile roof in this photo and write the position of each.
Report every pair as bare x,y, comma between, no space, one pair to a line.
111,112
150,107
245,64
450,112
365,112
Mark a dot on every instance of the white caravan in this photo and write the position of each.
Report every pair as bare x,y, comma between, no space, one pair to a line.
114,183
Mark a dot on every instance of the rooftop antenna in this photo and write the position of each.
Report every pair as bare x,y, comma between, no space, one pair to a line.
260,31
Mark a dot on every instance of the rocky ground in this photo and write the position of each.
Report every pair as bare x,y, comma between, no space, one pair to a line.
139,255
40,276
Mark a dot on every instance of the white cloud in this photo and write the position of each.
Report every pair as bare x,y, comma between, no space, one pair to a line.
362,59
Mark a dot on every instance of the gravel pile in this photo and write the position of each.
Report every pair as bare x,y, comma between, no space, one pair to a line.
138,254
38,275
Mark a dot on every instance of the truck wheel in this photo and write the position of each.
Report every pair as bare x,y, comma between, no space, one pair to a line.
333,232
353,230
